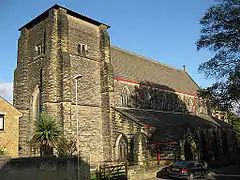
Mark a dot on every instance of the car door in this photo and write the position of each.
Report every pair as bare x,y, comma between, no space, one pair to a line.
192,169
198,169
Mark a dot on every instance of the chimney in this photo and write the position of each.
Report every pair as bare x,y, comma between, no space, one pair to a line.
184,68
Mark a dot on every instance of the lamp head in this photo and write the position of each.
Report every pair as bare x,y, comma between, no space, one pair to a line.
77,77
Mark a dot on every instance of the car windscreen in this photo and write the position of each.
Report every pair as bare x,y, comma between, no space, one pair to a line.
183,163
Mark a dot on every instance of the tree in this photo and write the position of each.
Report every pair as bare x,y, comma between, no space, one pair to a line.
47,132
235,122
220,34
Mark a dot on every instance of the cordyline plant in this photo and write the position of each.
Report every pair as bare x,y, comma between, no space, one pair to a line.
47,132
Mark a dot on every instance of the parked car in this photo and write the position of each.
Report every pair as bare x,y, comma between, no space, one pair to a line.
186,170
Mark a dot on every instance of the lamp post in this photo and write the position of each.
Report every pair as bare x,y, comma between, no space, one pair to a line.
76,90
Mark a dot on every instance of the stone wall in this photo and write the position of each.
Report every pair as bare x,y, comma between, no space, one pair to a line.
156,97
9,136
136,136
47,168
137,172
30,68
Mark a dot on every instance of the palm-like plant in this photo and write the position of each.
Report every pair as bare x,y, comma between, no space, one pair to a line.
47,132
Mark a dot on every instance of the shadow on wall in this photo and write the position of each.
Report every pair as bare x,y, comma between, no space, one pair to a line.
149,95
47,168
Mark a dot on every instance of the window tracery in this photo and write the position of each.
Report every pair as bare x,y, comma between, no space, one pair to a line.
121,148
125,97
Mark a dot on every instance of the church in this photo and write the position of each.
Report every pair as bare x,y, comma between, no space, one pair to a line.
129,107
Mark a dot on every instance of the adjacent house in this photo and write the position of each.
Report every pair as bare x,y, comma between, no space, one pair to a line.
9,134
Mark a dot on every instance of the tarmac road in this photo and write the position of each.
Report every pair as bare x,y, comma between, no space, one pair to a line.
225,173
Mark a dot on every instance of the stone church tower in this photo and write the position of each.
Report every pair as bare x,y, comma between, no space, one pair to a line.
52,49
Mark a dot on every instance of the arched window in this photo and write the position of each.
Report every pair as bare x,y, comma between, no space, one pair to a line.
146,98
125,96
189,103
36,105
164,102
121,148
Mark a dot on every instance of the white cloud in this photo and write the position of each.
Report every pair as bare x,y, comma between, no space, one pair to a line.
6,90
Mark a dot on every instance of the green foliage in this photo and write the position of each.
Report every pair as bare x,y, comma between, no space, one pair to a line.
220,34
66,147
47,132
3,147
217,97
235,120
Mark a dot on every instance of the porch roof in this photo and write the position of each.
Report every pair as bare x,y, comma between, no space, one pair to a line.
170,126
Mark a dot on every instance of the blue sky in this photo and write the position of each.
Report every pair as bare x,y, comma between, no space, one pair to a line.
164,30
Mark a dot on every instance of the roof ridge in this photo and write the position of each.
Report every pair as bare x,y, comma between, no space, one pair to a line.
149,59
152,110
5,100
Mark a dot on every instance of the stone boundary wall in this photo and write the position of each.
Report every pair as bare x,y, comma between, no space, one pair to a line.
137,172
49,165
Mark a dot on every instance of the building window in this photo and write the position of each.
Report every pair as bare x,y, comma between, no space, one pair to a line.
36,102
125,97
82,50
121,148
39,49
146,98
1,122
44,42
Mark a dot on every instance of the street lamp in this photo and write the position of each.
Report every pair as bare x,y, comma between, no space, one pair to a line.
76,81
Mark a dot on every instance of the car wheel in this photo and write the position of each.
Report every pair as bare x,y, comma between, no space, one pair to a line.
190,177
204,175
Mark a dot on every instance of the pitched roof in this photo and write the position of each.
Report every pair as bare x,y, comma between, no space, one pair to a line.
70,12
2,100
160,118
169,126
131,66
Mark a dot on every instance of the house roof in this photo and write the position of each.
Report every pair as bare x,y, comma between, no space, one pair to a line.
70,12
131,66
2,100
169,126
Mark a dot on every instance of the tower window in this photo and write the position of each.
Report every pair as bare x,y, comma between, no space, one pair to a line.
82,50
39,49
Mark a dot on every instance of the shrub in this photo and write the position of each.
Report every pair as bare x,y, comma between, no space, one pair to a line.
66,147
